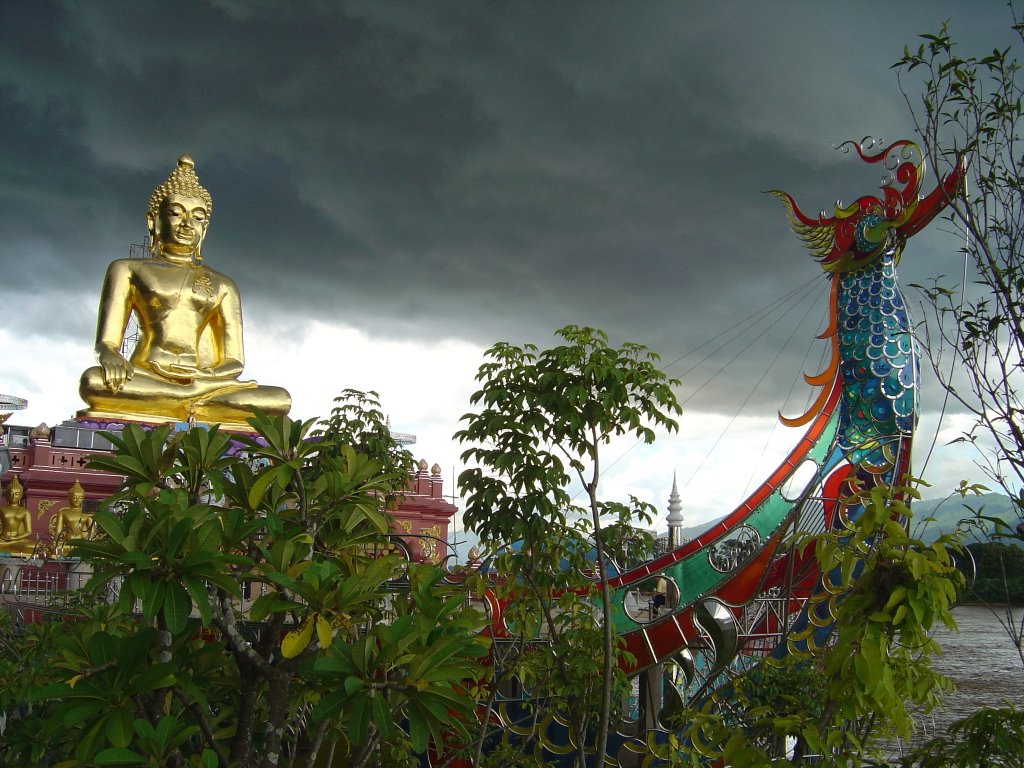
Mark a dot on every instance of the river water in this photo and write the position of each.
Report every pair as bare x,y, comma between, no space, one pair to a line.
983,664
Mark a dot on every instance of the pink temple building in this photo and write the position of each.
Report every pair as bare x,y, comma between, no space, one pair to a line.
47,461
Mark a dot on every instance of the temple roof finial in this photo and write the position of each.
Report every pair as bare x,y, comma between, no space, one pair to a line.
675,505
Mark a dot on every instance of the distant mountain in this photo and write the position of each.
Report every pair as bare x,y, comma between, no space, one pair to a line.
933,517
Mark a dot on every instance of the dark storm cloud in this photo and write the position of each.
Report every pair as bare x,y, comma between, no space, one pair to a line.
466,169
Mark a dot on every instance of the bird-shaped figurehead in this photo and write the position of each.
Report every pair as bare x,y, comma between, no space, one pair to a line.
873,350
857,234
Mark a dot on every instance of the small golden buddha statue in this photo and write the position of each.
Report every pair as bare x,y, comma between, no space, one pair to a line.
71,522
16,522
189,355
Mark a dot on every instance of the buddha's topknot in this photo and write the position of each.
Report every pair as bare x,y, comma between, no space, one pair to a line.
183,181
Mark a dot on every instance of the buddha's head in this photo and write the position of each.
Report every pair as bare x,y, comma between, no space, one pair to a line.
76,495
179,212
15,492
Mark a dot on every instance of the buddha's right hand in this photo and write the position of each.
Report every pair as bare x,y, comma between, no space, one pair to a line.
179,374
116,370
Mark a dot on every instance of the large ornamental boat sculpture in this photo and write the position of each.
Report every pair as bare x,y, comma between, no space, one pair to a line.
858,433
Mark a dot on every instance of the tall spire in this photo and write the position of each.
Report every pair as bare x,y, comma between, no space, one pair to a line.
675,516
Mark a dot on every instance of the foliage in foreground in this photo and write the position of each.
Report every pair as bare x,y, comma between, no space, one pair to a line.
838,706
992,737
245,612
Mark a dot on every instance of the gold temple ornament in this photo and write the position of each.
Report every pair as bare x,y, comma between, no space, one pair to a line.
16,522
72,521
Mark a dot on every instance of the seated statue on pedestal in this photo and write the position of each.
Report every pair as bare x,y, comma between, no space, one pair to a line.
189,355
72,521
15,522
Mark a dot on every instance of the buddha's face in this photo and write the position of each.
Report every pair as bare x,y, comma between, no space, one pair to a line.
14,496
76,499
180,224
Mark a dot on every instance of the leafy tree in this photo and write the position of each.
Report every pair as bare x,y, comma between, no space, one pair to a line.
241,614
543,418
998,574
971,109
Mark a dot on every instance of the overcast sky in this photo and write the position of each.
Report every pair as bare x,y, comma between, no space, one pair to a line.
398,185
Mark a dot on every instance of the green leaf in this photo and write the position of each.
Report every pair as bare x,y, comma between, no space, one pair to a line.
119,728
200,597
264,480
139,561
88,742
177,537
419,730
110,525
177,607
358,720
103,648
272,602
329,705
149,680
80,712
154,593
382,717
119,756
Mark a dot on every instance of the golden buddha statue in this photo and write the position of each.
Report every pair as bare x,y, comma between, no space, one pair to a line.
72,521
16,522
189,355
